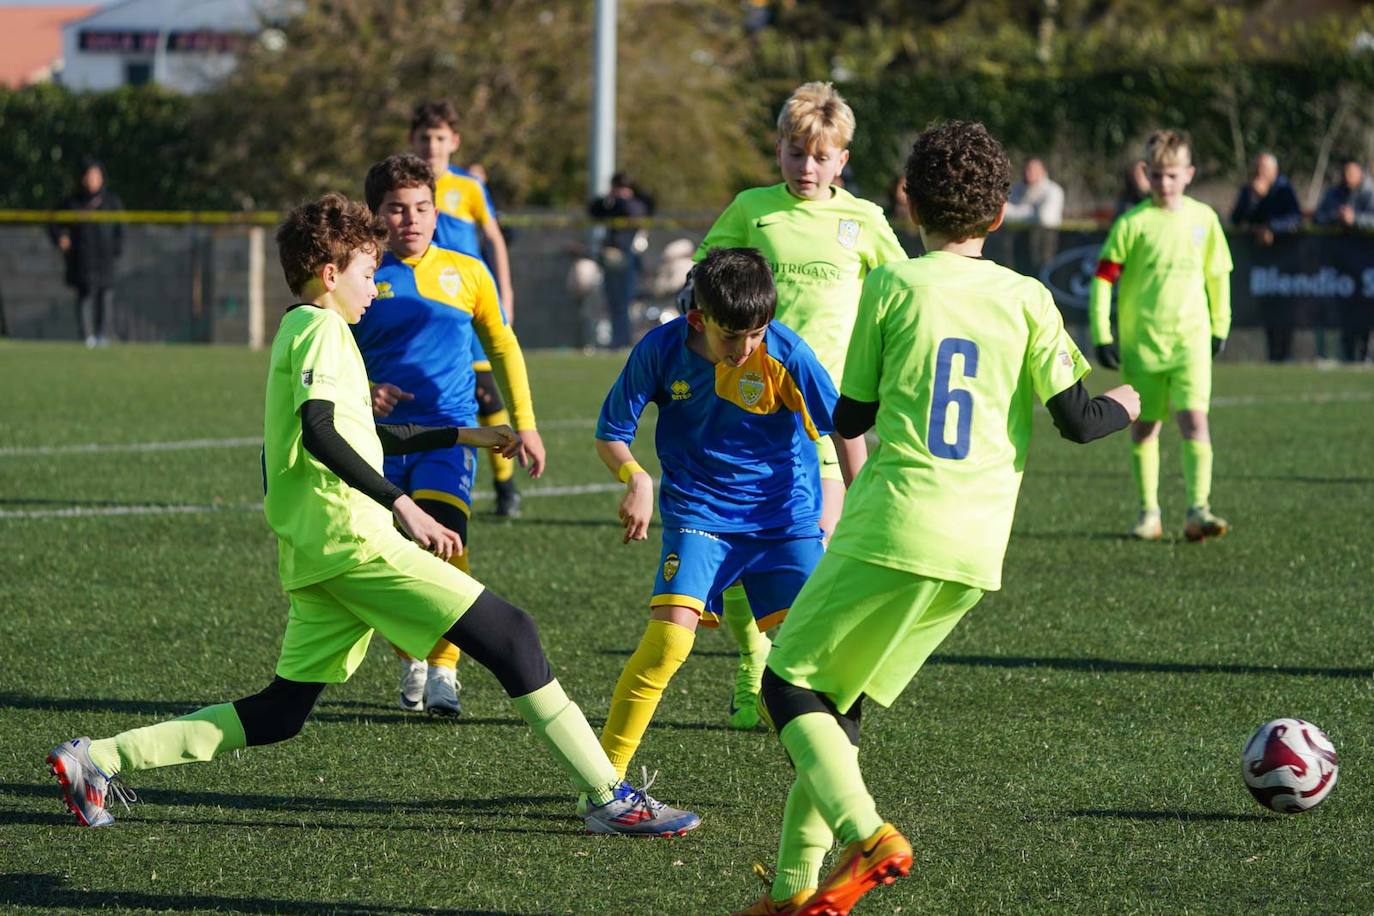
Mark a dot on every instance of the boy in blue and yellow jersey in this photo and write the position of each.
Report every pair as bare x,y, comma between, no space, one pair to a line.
1173,314
948,356
821,242
432,303
467,224
346,567
741,402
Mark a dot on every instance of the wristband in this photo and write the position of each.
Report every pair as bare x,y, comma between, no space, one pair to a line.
629,469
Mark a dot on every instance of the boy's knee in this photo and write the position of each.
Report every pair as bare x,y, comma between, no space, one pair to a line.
278,712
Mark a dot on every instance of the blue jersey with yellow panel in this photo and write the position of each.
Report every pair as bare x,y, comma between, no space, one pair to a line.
418,336
736,444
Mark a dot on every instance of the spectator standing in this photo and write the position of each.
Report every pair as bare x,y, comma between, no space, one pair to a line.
1349,205
621,250
1266,204
90,251
1036,201
1135,187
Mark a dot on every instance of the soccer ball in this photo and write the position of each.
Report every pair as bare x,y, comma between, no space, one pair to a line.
1289,765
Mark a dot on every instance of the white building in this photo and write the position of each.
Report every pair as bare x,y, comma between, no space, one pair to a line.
185,45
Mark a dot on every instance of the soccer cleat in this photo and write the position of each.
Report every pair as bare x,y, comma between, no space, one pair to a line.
441,691
632,812
881,859
767,906
1150,527
744,712
84,785
744,704
413,676
1202,524
507,499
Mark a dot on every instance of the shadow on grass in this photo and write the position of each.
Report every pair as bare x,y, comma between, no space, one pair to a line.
1192,816
535,807
696,653
365,712
50,891
1117,666
1244,478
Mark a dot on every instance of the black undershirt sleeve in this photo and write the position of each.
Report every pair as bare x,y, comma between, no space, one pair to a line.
854,418
322,440
407,438
1082,419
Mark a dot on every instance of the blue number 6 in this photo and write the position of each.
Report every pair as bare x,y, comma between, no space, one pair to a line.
940,447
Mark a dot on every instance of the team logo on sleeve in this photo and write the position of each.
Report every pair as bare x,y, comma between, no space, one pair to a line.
848,234
1065,359
681,391
751,387
450,281
670,565
307,377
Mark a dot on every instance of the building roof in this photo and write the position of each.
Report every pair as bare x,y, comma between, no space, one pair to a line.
31,40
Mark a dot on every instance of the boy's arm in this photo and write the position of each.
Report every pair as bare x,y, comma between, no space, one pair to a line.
500,257
854,418
1057,369
637,506
508,365
1218,284
408,438
616,428
1111,261
1082,419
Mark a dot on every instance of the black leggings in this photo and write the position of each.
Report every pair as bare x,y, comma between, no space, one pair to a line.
488,396
495,633
786,702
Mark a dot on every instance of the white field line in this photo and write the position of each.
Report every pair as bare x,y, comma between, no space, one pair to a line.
96,448
98,511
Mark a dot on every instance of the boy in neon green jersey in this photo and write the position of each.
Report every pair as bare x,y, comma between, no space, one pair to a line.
821,241
948,355
343,564
1173,314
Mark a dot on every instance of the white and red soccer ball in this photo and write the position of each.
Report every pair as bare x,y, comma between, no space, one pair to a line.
1289,765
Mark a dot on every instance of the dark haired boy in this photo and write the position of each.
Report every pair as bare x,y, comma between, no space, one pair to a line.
741,402
433,306
948,353
467,223
345,567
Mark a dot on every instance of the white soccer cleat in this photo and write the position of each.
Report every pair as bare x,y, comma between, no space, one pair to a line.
413,678
1202,524
1150,527
441,691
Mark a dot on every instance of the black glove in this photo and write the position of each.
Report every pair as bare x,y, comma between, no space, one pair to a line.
1218,346
1108,356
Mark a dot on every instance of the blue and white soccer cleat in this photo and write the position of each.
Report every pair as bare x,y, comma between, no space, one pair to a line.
632,812
413,674
84,786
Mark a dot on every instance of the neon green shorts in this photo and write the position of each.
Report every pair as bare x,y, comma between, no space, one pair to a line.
411,596
860,628
830,459
1189,387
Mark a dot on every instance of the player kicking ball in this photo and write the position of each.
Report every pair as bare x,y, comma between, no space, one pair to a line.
947,357
343,564
1174,313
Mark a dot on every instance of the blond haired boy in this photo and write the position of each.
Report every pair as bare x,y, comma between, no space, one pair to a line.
1173,314
821,241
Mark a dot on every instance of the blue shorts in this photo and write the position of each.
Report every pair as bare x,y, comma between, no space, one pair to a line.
697,566
442,475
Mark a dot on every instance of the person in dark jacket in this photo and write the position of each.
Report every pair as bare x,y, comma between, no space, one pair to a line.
621,250
90,250
1267,204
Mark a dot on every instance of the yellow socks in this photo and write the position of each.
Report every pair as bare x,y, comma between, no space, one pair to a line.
560,725
201,735
1145,470
502,469
662,650
828,765
1197,471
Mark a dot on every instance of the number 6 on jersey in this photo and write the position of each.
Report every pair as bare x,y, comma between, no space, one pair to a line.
945,397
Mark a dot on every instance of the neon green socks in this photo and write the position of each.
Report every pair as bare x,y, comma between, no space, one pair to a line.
1145,470
1197,471
201,735
828,765
753,657
806,838
559,723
